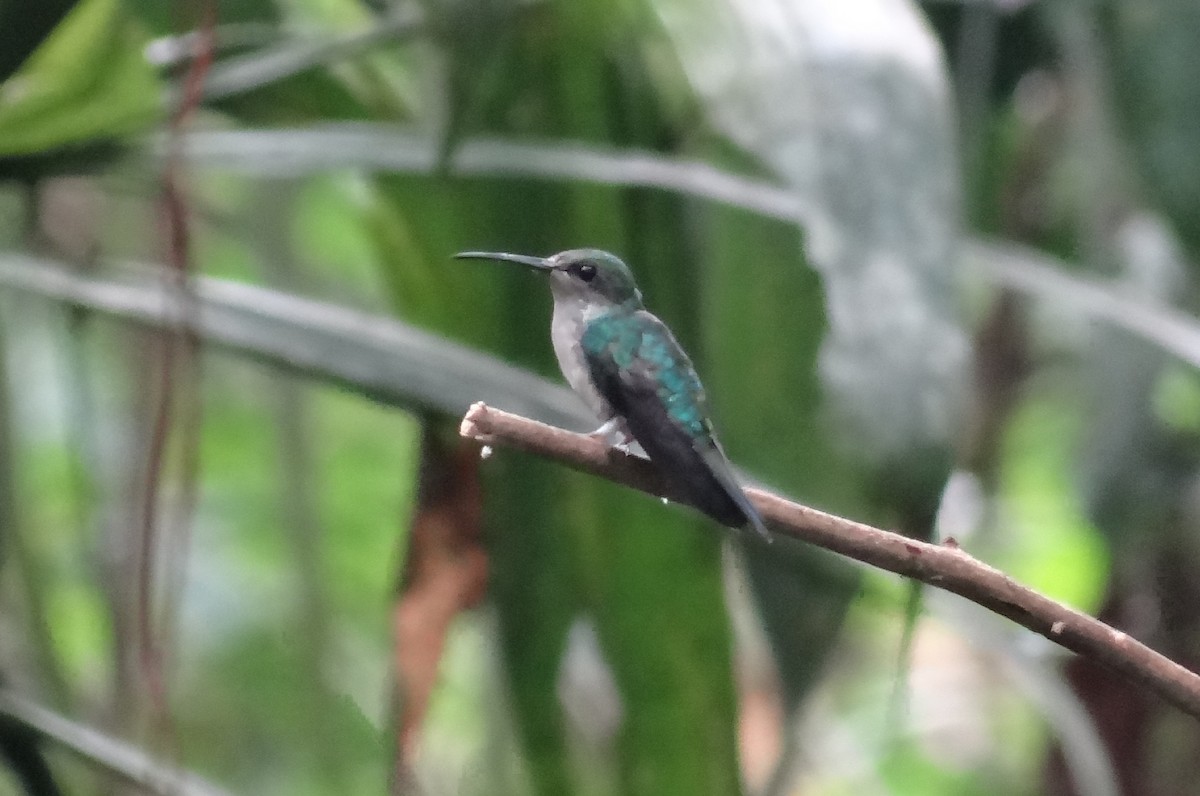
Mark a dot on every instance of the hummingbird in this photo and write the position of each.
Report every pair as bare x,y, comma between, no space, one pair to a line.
632,373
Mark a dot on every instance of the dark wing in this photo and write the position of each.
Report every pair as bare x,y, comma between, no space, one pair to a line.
639,368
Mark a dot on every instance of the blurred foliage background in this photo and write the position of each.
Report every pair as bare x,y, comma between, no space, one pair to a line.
935,262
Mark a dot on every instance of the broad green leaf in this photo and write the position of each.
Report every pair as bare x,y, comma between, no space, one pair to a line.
419,223
907,772
1048,542
1177,400
649,576
534,585
656,576
764,322
88,80
656,595
1155,67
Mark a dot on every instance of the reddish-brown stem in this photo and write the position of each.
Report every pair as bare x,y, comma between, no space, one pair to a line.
184,342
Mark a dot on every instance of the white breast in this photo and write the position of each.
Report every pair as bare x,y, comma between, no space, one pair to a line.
566,328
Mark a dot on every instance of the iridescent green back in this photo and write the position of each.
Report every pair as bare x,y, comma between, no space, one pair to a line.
642,349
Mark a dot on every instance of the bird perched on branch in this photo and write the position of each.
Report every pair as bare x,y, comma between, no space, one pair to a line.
633,375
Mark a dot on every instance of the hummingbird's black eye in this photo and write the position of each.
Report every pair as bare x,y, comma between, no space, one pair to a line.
586,272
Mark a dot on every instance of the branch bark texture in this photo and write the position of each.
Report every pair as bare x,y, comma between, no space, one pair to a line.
945,566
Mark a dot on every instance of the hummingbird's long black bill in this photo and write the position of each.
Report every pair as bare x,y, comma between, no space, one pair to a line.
540,263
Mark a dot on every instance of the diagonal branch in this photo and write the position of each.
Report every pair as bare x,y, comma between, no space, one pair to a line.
104,751
945,566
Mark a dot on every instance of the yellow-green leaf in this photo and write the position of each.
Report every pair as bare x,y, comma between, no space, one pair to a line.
88,80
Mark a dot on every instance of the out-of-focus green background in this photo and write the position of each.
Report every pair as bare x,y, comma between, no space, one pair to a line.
936,263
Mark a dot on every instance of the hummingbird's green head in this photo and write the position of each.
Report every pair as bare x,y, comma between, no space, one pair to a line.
593,276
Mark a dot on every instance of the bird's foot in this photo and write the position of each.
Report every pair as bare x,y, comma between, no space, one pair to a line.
614,434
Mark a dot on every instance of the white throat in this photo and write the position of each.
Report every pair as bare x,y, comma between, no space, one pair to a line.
572,314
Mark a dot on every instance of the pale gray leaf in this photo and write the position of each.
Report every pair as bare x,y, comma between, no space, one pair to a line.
296,152
1049,279
847,101
378,356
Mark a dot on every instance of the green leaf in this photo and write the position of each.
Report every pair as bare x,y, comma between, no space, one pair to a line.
760,298
648,576
534,580
1177,400
660,611
655,574
1050,545
88,80
1155,71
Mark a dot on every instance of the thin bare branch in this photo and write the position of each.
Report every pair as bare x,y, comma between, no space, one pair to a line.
944,566
100,749
178,357
243,73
